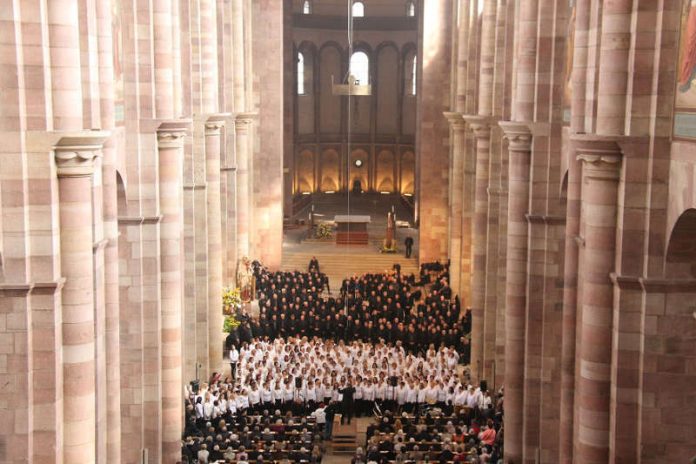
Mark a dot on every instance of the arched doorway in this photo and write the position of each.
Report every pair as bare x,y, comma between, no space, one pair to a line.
668,415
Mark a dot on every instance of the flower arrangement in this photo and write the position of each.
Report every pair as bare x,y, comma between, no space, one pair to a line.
324,230
230,324
231,299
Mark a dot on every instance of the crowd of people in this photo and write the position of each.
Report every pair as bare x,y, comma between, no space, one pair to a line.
388,306
387,343
468,435
221,429
299,374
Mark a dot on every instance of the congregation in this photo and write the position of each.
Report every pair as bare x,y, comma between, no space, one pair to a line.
387,306
387,343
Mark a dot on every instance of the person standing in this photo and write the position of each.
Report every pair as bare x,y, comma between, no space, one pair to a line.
408,242
234,360
348,403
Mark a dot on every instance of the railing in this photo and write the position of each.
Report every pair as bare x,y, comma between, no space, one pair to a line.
409,202
300,201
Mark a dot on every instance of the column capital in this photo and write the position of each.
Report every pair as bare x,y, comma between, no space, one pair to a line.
479,125
519,136
216,122
246,117
455,120
75,152
601,156
171,134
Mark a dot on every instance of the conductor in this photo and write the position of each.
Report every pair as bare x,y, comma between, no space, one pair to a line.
348,403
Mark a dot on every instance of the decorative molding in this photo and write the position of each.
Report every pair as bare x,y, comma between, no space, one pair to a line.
480,125
201,186
152,219
138,220
46,288
76,152
215,123
170,139
496,192
100,245
455,120
228,168
545,219
601,156
518,135
668,285
242,121
652,285
22,289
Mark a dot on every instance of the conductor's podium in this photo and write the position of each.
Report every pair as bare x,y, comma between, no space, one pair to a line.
352,230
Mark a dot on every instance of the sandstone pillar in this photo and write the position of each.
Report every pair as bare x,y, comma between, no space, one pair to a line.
601,168
432,131
457,134
238,50
481,127
570,297
163,57
170,142
230,202
75,159
242,130
213,150
520,148
110,213
572,231
614,65
66,83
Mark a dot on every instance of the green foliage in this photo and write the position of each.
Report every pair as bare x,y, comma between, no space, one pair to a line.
230,325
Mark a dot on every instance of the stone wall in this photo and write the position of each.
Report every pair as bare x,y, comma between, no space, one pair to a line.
578,226
129,152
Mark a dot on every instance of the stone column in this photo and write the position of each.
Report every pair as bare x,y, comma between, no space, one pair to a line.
570,298
571,255
520,151
213,150
75,160
457,127
614,65
481,127
432,131
238,49
110,213
163,57
601,161
66,81
170,143
243,148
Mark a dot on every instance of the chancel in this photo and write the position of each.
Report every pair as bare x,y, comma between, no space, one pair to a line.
389,231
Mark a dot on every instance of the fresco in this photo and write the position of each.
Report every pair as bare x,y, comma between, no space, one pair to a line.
685,105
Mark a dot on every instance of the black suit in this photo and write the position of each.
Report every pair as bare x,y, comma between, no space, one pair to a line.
348,403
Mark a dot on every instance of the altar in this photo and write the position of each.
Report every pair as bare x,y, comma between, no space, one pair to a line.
351,230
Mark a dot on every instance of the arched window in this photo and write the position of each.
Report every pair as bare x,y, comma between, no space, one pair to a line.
410,9
358,9
414,70
360,68
300,74
306,7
